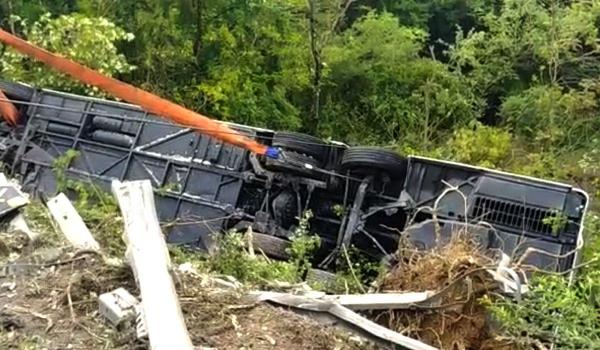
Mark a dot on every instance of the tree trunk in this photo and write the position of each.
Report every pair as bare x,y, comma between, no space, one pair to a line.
313,123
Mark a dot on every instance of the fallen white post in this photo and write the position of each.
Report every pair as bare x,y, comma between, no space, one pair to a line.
149,258
381,301
19,224
342,313
70,223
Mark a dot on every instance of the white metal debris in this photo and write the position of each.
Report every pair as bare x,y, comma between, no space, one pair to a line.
117,306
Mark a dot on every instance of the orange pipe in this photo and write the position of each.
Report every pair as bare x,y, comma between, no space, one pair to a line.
8,111
131,94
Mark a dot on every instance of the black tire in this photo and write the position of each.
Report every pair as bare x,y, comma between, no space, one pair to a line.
272,246
367,159
301,143
16,90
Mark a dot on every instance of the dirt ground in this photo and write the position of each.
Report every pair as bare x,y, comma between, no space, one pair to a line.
49,301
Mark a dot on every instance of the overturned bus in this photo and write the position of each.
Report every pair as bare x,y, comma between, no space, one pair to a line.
359,196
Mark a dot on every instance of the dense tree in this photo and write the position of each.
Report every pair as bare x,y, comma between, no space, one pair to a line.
87,40
380,89
415,73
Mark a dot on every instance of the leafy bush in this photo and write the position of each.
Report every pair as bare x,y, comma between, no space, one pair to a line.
379,89
554,313
304,244
551,117
481,145
232,257
90,41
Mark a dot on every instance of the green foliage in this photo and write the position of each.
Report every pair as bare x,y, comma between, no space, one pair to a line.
91,41
355,273
543,165
557,221
304,244
233,258
60,166
163,51
525,41
480,145
100,212
260,65
551,117
553,312
591,235
379,89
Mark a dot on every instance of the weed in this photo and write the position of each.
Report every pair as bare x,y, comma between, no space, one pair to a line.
553,312
557,221
362,272
303,245
60,166
591,235
232,257
339,210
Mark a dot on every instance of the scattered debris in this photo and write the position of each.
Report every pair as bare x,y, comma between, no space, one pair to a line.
71,223
11,197
117,306
344,314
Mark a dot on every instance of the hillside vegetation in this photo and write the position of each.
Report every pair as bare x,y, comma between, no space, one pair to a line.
511,84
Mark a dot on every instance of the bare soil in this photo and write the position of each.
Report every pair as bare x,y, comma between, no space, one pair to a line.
54,306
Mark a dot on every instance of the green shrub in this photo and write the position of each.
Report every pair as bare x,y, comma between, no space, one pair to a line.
232,257
90,41
553,312
481,145
551,117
